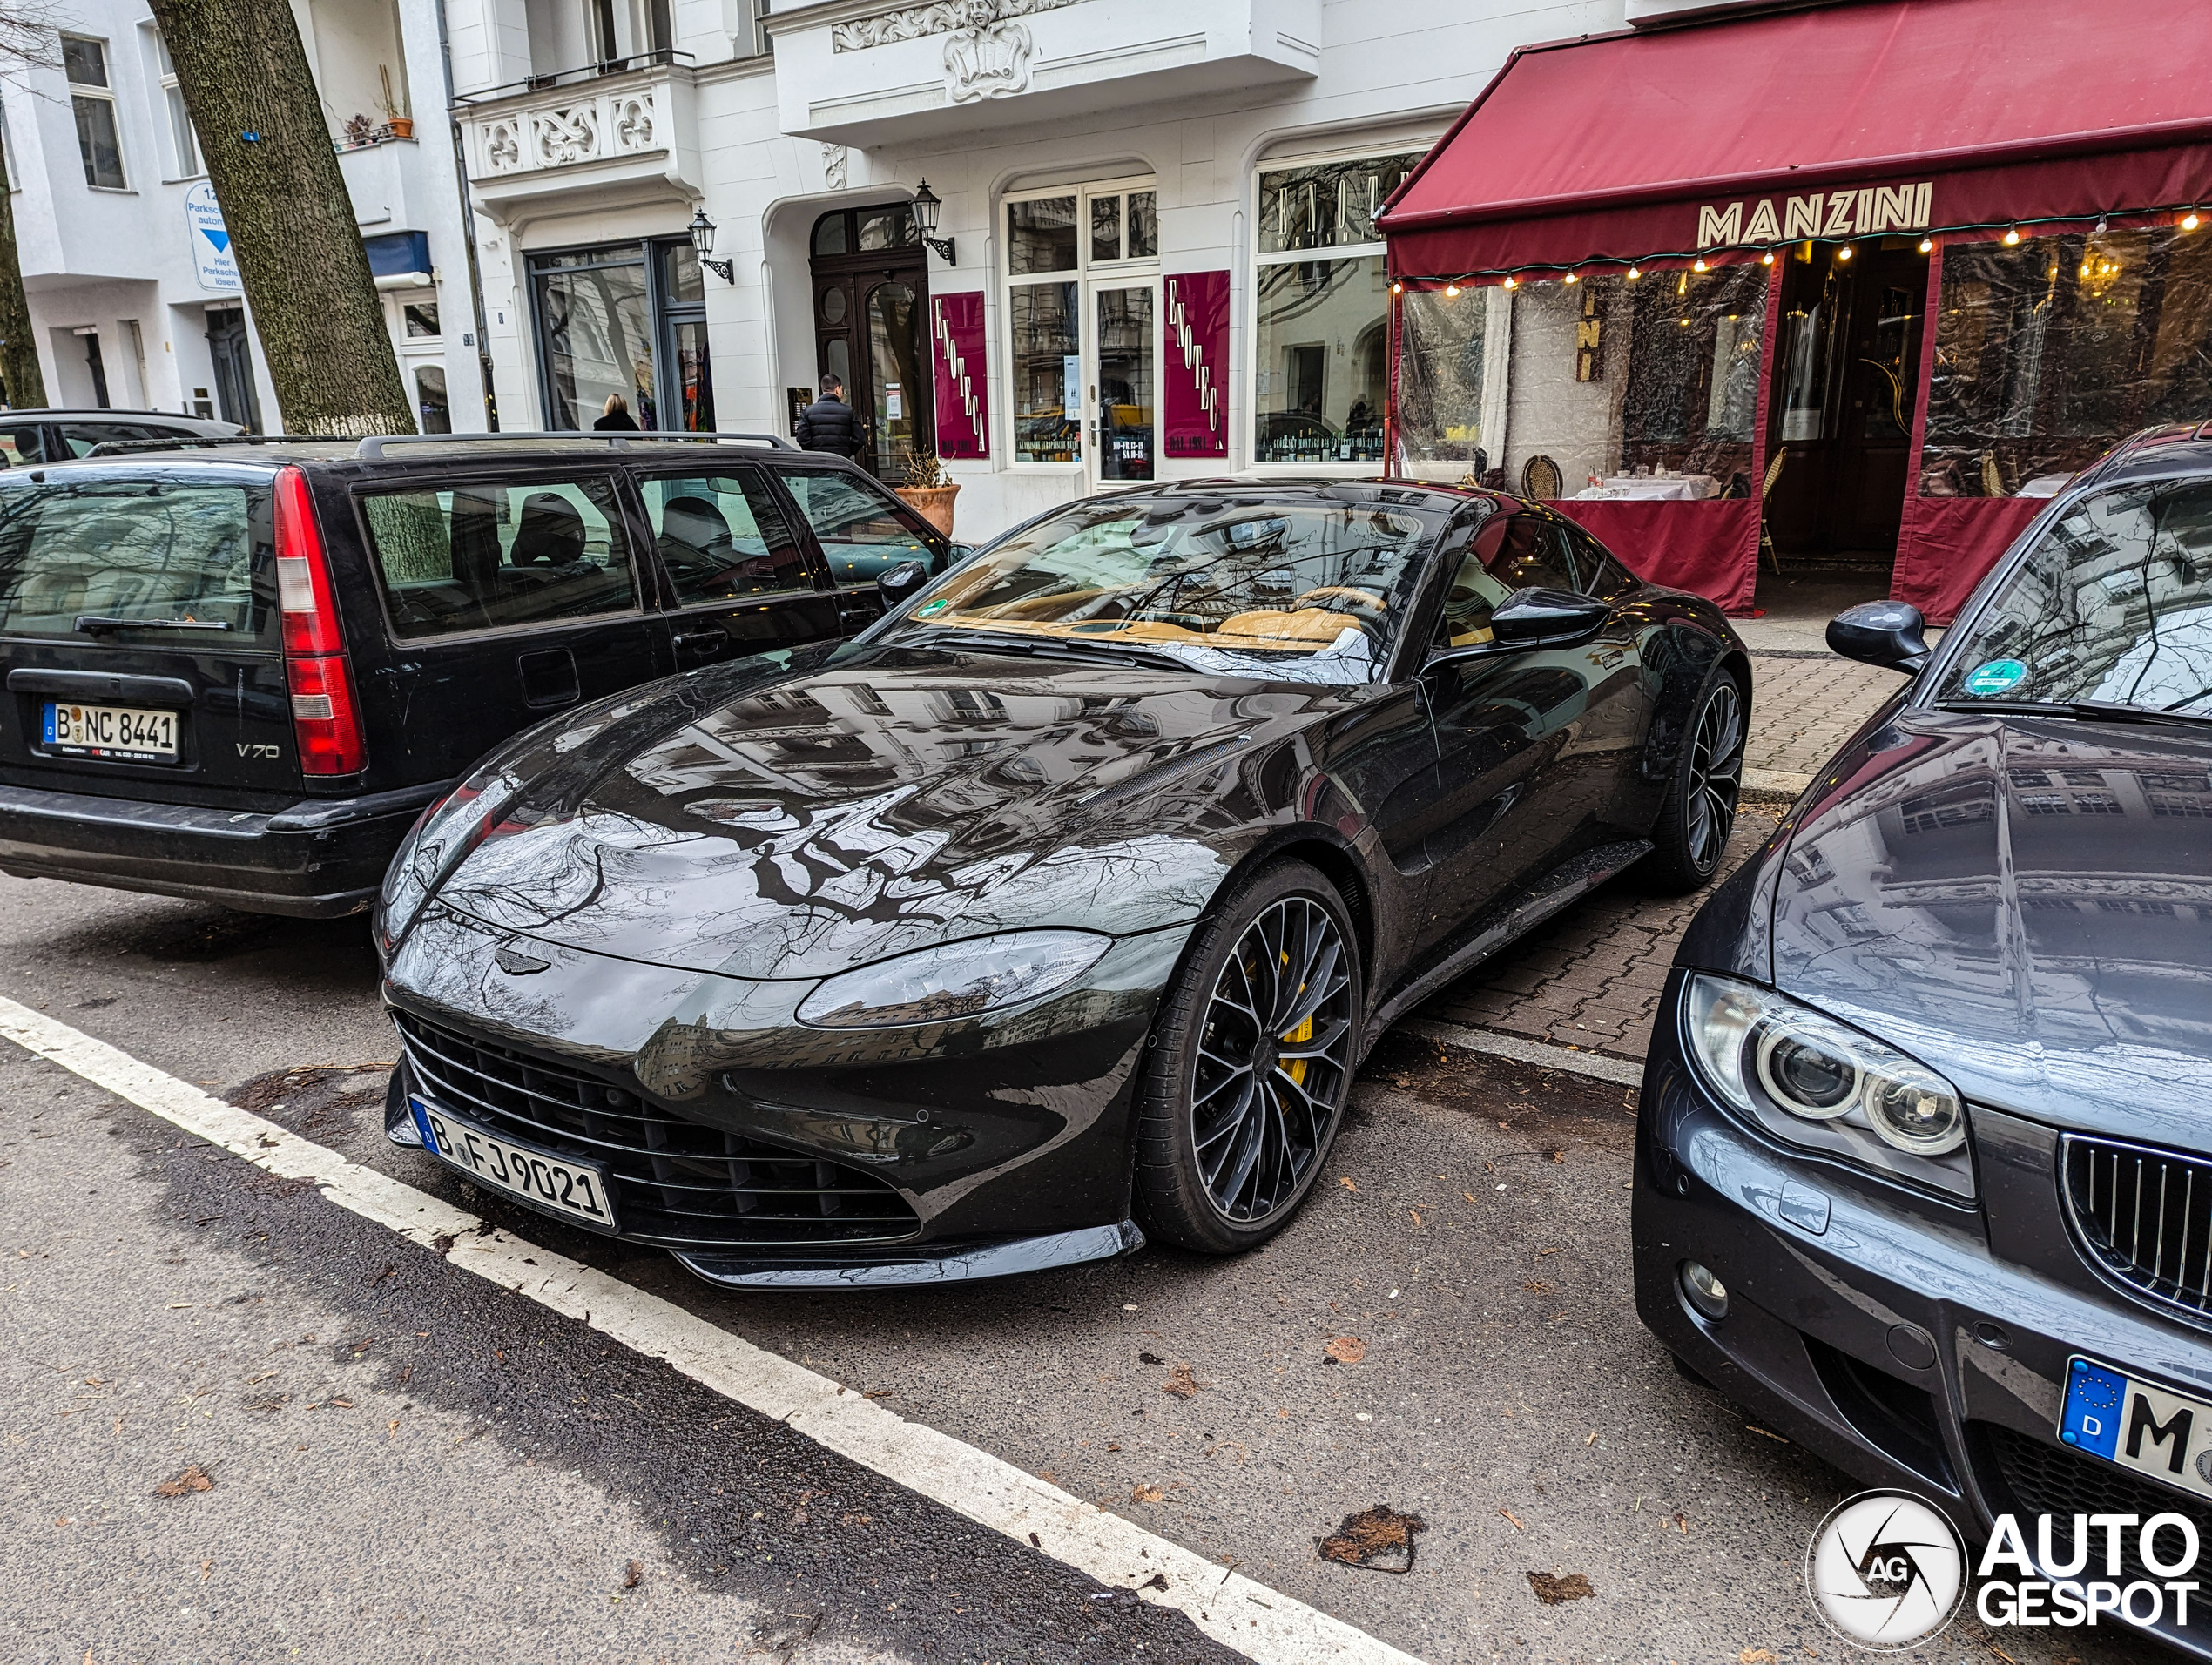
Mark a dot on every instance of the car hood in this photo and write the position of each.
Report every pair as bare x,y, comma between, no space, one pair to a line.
2026,904
882,800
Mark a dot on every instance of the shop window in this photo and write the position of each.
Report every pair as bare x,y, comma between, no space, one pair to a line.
1082,321
92,101
1321,326
2048,352
1602,379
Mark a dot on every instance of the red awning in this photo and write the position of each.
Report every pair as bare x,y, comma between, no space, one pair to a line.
2006,109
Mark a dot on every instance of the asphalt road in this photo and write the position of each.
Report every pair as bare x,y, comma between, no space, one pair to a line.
406,1462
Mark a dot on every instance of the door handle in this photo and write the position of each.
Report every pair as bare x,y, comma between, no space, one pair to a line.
697,641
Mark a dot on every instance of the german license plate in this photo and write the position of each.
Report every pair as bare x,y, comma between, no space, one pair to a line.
2151,1430
122,731
577,1190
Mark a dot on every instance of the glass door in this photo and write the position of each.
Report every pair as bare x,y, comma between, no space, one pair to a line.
895,370
1122,382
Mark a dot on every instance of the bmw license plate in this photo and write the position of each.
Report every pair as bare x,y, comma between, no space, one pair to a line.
122,731
577,1190
2148,1429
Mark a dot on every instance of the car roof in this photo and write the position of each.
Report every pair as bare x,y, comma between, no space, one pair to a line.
396,452
102,413
2169,449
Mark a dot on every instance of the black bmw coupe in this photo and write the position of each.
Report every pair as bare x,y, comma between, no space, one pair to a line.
1059,909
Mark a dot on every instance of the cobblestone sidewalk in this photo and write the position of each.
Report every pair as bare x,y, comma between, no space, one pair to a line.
1804,706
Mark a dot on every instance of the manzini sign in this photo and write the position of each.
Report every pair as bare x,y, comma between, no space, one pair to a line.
1863,212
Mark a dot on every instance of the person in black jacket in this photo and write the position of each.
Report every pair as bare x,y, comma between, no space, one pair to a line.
829,424
616,418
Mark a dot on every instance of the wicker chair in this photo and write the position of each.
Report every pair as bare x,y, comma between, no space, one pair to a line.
1766,491
1540,480
1993,477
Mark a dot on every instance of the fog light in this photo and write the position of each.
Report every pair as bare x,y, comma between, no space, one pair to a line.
1703,1290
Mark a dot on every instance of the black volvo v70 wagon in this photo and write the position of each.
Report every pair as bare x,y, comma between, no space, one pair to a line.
239,672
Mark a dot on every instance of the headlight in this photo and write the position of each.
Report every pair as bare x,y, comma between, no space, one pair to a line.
448,831
1814,1081
957,980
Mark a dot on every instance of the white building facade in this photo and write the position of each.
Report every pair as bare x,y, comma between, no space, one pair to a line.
132,290
1156,256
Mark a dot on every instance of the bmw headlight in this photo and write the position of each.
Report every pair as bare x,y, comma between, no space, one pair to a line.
1808,1079
956,980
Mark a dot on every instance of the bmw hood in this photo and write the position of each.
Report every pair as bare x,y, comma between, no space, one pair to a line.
882,800
2024,903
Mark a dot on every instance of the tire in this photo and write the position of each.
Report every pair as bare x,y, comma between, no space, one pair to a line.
1690,838
1231,1134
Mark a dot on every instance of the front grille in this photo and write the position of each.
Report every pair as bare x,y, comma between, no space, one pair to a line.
2145,1217
675,1182
2050,1480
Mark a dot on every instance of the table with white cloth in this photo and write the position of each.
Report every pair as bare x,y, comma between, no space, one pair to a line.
1638,488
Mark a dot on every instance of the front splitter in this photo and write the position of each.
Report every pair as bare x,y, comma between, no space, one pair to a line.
940,1263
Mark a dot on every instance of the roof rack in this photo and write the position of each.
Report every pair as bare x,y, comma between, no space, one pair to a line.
372,448
201,442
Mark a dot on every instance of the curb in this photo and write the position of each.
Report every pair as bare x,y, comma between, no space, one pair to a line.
1774,786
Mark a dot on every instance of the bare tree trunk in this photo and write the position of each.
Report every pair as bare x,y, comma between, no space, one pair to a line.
244,78
18,345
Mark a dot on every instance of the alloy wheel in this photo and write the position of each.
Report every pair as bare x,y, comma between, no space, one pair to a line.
1274,1059
1716,775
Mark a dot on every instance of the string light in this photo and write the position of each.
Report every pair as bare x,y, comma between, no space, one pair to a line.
1451,291
2189,221
1767,259
1700,267
1927,246
1512,283
1635,271
1397,288
1571,278
1844,253
2012,236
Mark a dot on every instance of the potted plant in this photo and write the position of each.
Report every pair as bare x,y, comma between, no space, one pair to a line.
929,490
359,133
397,120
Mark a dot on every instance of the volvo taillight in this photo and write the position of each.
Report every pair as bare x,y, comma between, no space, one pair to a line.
324,718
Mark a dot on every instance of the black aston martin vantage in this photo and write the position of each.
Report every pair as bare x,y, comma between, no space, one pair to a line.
1058,908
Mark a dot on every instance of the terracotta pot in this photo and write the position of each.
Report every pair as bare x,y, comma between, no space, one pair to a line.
933,504
403,126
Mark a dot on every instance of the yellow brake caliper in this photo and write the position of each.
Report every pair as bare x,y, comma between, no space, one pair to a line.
1296,1068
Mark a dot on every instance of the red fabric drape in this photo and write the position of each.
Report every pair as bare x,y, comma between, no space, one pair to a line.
1710,548
1949,545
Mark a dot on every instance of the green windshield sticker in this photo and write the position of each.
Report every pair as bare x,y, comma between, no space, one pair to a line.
1997,677
930,607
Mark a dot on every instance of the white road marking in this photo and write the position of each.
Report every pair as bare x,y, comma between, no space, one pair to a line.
1236,1611
1529,1052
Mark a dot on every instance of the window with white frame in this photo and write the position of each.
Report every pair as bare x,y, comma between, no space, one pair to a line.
184,142
91,98
1321,309
1059,244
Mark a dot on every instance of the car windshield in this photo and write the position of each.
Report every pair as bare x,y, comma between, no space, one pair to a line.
2114,606
1311,590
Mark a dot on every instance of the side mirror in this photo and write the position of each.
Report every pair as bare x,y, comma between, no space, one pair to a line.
1887,633
1528,616
901,581
956,552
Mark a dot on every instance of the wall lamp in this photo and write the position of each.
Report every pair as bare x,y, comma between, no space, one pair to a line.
702,229
926,204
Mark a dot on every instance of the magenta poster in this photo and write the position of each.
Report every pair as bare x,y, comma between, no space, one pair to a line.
1196,367
956,351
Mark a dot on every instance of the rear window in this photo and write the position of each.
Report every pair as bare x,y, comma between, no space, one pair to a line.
123,556
484,556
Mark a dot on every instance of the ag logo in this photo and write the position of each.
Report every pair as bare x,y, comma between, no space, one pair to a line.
1886,1571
